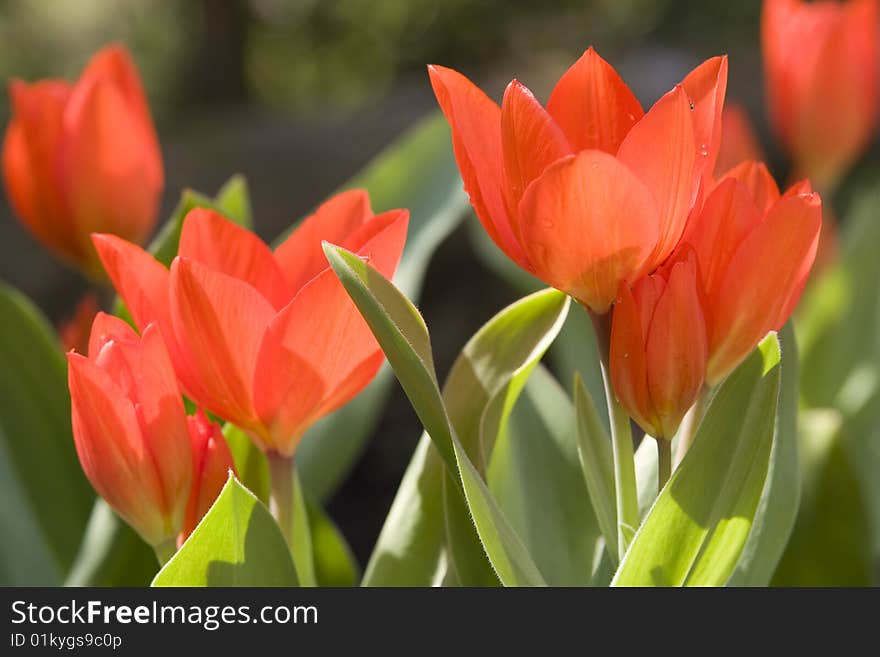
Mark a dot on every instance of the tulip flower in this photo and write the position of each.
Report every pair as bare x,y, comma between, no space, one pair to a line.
822,68
74,332
659,346
268,341
755,249
590,191
130,428
83,158
739,143
212,462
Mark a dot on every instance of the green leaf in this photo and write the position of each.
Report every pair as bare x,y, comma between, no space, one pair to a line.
778,508
594,450
111,553
831,541
403,336
839,316
237,543
234,201
251,465
696,530
417,172
335,564
535,475
36,444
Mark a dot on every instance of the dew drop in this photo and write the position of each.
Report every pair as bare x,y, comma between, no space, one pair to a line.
631,116
704,150
692,105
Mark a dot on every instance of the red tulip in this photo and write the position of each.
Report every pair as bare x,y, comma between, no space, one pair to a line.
755,249
659,346
822,68
212,462
130,427
591,191
738,140
269,341
83,158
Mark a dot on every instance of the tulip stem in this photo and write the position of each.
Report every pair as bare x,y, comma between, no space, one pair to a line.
626,493
165,550
664,462
281,495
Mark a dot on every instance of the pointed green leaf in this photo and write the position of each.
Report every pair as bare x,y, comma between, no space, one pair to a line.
594,450
237,543
36,444
696,530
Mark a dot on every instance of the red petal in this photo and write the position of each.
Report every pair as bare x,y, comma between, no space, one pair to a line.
106,328
706,87
660,151
593,106
319,353
757,179
588,223
381,240
763,280
676,348
629,373
219,322
476,139
728,216
531,141
301,256
222,245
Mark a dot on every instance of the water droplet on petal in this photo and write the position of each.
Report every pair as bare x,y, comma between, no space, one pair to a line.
704,150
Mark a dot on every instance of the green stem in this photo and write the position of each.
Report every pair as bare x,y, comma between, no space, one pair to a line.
690,424
625,491
281,494
165,550
664,462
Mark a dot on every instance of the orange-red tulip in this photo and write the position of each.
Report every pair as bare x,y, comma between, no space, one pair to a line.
659,346
738,140
83,158
822,68
212,462
591,191
755,249
269,341
130,427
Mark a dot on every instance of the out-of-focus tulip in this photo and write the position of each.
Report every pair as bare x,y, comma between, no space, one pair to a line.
822,70
738,140
74,333
130,428
84,158
212,462
591,191
269,341
755,249
659,346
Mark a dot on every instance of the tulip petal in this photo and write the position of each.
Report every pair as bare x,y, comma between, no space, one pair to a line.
219,321
531,140
212,462
381,241
763,281
660,151
476,139
629,369
676,348
727,217
757,179
593,106
588,223
318,352
222,245
110,447
300,256
105,165
107,328
706,87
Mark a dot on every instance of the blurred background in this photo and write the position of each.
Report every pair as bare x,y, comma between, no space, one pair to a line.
298,95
